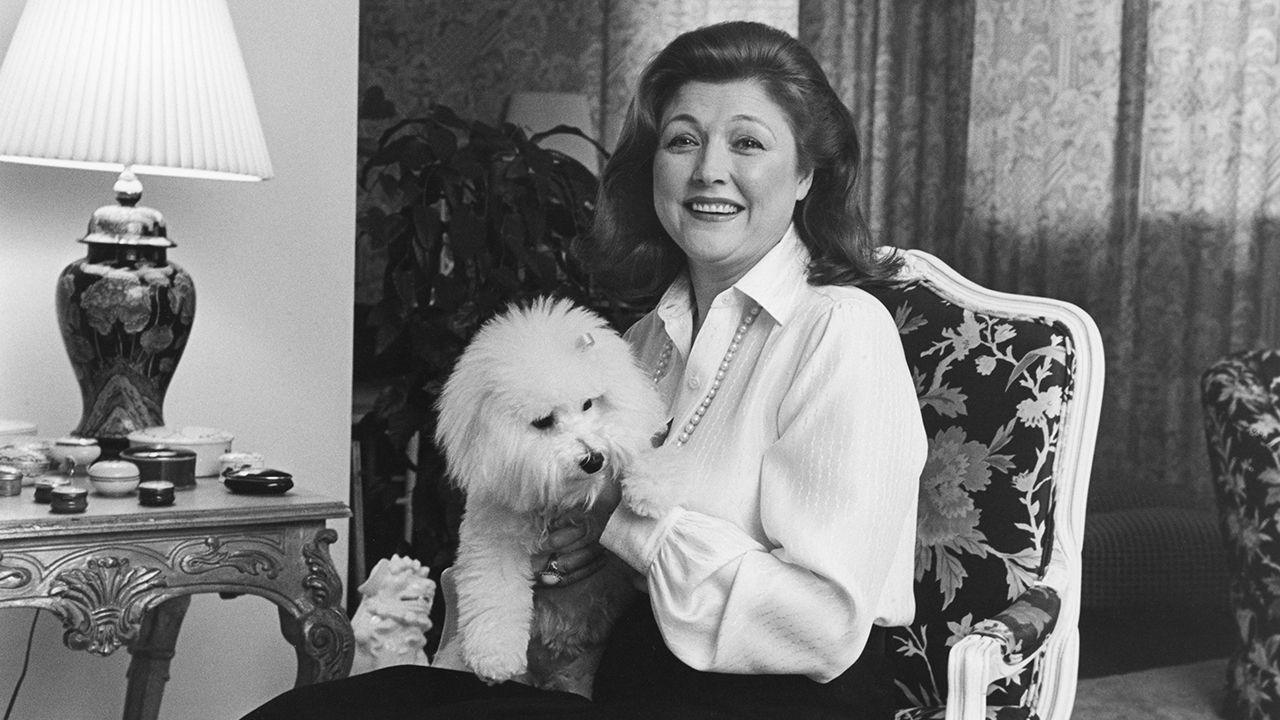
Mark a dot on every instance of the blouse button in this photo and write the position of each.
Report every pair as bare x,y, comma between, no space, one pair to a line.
694,383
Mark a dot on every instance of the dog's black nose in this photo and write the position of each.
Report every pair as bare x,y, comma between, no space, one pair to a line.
591,462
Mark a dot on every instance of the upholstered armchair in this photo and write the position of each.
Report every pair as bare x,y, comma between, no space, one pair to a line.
1010,389
1242,426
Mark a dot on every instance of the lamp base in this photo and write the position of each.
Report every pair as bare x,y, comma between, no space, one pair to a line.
125,313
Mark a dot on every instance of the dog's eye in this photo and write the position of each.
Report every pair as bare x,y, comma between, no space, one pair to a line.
544,422
586,405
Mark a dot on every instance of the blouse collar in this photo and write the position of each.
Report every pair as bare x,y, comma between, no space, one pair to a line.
775,283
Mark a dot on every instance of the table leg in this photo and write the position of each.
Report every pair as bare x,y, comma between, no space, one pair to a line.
316,625
152,651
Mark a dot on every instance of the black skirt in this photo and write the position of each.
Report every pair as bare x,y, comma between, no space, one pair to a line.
638,678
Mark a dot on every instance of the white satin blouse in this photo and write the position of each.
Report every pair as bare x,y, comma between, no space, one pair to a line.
798,531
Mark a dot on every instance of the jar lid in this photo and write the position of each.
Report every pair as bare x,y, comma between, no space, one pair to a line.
72,440
113,469
156,485
69,491
156,452
8,472
127,224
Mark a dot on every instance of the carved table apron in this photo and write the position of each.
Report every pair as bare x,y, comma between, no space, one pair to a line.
123,574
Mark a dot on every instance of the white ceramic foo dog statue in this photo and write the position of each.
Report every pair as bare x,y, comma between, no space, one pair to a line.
391,623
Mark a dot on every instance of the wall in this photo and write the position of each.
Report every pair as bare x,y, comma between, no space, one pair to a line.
269,357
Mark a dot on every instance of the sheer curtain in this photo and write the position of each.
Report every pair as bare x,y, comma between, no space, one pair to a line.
1120,154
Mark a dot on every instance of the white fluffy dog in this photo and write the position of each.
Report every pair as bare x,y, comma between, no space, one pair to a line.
545,410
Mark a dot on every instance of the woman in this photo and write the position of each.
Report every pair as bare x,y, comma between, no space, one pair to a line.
733,188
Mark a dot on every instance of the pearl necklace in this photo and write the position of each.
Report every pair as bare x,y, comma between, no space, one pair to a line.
664,361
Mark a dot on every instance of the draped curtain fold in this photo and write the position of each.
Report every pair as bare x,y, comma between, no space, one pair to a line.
904,69
1118,154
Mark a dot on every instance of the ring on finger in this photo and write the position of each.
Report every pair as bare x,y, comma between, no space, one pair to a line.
552,573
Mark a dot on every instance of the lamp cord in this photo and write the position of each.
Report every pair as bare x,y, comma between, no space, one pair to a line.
26,661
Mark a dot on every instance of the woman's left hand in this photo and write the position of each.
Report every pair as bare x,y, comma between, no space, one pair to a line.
573,552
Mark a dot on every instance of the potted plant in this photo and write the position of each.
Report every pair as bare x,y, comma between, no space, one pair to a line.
469,217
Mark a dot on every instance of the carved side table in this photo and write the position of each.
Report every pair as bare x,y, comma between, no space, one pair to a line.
123,574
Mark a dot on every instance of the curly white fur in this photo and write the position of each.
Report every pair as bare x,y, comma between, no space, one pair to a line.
543,411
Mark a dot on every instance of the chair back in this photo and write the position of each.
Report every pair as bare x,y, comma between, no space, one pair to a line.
1009,389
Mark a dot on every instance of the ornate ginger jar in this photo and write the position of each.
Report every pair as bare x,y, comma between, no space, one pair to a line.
125,312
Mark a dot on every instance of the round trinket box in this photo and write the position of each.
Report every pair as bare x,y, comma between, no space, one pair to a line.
159,462
68,499
114,478
239,461
155,493
265,481
45,486
10,481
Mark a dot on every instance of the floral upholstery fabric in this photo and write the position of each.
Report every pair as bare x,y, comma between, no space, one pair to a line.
992,391
1242,426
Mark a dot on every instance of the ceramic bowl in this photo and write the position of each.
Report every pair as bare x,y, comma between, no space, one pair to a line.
79,452
114,478
31,457
207,443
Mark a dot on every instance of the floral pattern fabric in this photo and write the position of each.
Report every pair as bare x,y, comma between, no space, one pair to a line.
1242,427
993,391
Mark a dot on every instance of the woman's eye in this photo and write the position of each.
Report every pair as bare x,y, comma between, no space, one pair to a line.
544,422
748,143
586,405
680,142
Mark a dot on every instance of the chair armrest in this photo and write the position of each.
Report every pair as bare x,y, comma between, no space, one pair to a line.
1022,627
998,648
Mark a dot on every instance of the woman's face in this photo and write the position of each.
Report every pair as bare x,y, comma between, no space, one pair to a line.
725,174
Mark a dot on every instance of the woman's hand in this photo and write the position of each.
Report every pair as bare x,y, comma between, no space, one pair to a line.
573,552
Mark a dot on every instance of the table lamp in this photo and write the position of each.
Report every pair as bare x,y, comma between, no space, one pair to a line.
134,87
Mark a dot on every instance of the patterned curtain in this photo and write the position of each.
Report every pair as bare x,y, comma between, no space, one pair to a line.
1123,156
1119,154
904,69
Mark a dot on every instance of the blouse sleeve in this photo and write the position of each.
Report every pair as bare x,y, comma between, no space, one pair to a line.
838,492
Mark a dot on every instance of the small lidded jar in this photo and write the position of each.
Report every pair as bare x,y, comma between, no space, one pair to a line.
45,485
114,478
68,499
155,493
10,481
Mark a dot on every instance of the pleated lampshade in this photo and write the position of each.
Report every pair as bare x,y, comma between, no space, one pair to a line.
158,85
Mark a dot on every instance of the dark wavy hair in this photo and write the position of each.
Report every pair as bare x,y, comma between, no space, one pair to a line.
632,254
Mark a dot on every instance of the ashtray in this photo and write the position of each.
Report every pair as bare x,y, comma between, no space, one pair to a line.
261,481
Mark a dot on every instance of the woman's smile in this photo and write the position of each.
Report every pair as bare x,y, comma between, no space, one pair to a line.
711,209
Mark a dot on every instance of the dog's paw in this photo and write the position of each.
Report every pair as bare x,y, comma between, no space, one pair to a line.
654,484
643,498
498,667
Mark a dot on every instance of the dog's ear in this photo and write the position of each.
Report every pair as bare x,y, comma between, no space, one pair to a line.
462,427
639,410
